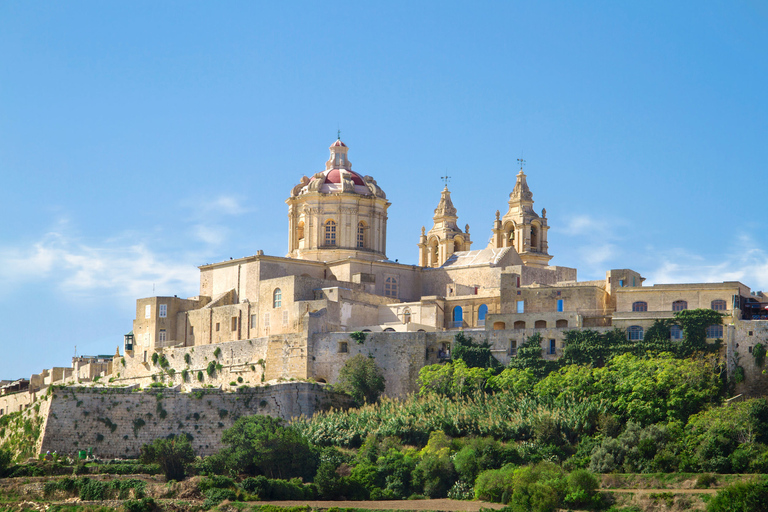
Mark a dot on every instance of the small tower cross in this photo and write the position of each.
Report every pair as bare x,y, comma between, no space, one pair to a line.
338,134
522,162
445,179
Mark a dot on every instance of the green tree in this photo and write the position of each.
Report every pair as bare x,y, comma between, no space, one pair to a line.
171,454
529,357
263,445
694,323
361,378
592,347
452,379
741,496
474,355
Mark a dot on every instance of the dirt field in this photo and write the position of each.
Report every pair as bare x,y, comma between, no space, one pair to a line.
417,505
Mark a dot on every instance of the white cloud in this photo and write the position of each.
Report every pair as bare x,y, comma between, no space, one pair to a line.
586,225
209,234
227,205
79,269
747,262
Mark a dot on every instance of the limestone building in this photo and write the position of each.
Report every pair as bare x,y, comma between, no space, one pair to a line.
336,278
263,318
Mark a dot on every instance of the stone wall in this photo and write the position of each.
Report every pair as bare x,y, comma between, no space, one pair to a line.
116,422
740,342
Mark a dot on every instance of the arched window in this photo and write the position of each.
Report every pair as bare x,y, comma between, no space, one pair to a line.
715,331
458,316
458,244
719,305
635,332
277,298
639,306
676,332
519,324
499,326
534,238
389,329
361,235
390,287
407,316
679,305
330,233
560,324
300,231
482,311
540,324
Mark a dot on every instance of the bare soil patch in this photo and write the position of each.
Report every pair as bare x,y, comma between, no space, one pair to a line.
416,505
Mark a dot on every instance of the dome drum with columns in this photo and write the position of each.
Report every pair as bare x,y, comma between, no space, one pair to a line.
337,213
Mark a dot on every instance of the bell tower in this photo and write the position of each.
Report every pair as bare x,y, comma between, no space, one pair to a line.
445,237
521,227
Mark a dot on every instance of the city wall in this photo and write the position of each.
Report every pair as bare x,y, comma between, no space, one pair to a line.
116,422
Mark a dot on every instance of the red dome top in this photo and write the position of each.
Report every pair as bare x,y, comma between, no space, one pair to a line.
338,143
334,176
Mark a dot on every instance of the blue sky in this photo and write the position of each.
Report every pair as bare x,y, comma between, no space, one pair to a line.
139,140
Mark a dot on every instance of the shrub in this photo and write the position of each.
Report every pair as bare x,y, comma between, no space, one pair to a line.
582,489
263,445
143,505
187,358
494,484
257,486
200,376
211,368
361,378
155,357
329,483
171,454
741,496
217,352
5,461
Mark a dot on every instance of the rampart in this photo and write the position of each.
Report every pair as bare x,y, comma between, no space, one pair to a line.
116,422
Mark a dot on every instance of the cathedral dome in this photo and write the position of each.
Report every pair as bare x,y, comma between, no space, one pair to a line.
339,177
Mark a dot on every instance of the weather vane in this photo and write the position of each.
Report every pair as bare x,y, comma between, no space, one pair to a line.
445,179
338,134
522,162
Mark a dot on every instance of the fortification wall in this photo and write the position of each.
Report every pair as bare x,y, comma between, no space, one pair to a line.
282,356
740,347
116,422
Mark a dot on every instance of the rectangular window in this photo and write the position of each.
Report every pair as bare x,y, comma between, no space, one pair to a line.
191,330
161,336
552,346
145,356
521,306
343,347
559,305
621,283
234,323
147,311
253,321
218,326
285,318
163,310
